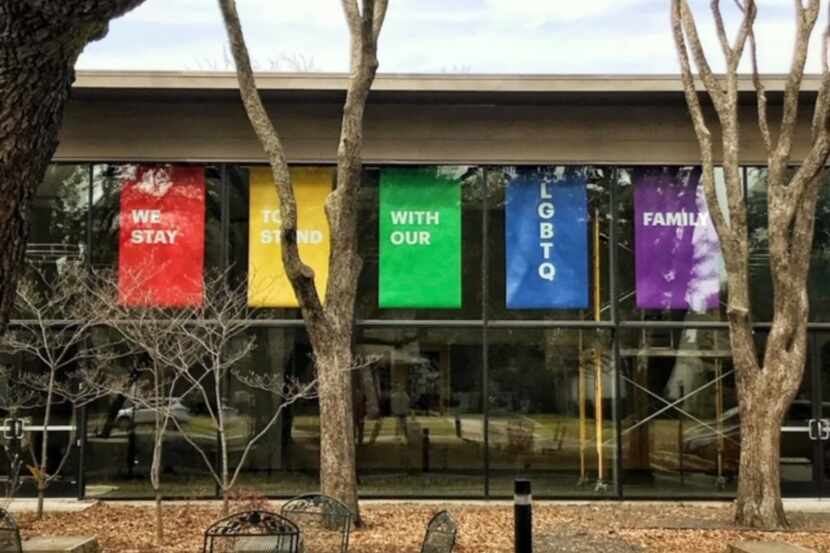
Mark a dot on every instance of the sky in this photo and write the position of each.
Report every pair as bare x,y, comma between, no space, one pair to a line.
435,36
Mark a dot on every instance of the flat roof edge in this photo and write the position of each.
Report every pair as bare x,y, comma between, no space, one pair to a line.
400,82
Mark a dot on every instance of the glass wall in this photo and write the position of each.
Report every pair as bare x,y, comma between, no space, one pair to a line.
562,323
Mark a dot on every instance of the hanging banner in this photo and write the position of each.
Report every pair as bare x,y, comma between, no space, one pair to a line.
676,247
268,284
162,236
546,239
420,238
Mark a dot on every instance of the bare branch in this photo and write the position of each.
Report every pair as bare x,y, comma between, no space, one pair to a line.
380,16
714,5
300,274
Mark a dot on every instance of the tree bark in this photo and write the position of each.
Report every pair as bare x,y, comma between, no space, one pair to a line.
758,501
338,475
766,386
330,323
40,41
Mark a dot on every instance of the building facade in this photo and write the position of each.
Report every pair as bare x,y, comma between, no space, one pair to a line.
542,292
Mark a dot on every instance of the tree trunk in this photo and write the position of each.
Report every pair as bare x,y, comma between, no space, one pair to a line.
764,395
31,108
155,478
338,472
159,518
41,494
40,41
758,503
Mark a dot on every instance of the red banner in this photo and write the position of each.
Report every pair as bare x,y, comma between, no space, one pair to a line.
162,241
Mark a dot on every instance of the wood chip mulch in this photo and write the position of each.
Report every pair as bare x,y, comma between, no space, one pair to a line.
399,528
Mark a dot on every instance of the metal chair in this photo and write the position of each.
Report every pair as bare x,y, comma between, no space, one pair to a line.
253,532
325,522
441,533
9,534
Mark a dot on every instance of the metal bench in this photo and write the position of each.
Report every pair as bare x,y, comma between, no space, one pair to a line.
9,534
441,533
325,522
253,532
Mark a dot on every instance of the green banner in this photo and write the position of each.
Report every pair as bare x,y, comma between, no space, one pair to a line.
420,238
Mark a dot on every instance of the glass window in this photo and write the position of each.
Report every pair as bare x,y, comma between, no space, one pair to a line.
545,421
59,215
418,412
574,226
286,459
120,440
759,263
679,415
760,281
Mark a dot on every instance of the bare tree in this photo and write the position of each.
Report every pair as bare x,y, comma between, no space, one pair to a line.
40,41
56,319
15,400
214,334
329,323
766,387
161,353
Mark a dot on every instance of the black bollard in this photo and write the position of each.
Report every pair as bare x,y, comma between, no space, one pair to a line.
523,516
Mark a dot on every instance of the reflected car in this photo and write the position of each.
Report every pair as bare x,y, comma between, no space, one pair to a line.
703,440
128,416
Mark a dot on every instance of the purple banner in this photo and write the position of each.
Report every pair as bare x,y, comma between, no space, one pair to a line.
676,246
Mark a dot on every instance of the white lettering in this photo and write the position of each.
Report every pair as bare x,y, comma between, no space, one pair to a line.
152,216
416,217
271,216
546,248
546,210
546,231
309,236
547,271
149,236
543,191
410,238
675,219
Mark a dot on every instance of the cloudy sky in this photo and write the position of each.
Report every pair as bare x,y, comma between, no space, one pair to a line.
423,36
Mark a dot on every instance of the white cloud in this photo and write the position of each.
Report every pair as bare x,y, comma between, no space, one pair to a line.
505,36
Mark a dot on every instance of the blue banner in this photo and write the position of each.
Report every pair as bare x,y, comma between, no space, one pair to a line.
547,239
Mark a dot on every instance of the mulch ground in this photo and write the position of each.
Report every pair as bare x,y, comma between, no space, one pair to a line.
608,528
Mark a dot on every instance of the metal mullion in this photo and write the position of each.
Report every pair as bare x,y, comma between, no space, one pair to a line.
449,323
224,211
817,398
616,403
485,358
703,325
81,437
565,324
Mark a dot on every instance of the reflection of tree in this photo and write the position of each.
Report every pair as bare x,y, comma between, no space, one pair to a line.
61,206
760,282
106,205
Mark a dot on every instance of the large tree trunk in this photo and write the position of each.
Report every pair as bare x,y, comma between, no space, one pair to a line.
40,41
765,386
329,323
758,503
338,473
34,91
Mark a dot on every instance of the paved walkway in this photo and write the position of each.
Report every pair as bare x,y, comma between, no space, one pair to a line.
73,505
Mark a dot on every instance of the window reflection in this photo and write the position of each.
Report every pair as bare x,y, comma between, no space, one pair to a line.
680,419
419,423
546,421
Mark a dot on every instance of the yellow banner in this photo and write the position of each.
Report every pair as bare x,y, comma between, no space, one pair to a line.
268,285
